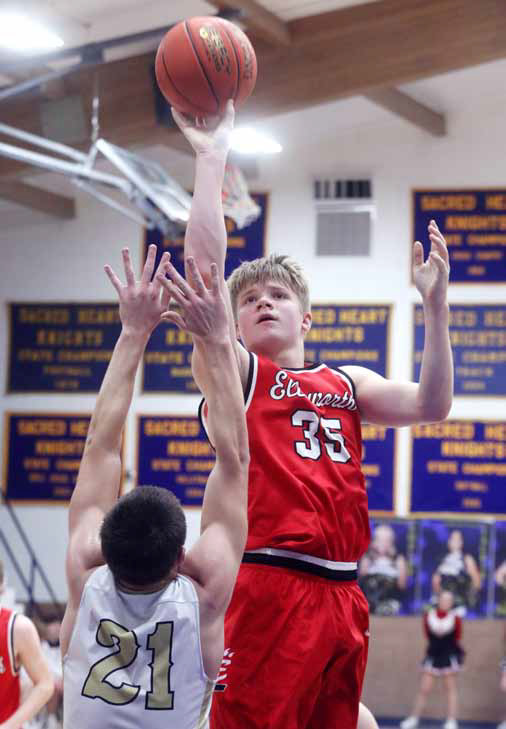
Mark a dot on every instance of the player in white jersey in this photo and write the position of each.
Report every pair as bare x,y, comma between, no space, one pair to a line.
142,637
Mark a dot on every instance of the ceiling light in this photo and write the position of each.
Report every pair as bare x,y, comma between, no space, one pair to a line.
20,33
246,140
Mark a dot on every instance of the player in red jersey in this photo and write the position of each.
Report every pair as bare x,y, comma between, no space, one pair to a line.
297,627
20,646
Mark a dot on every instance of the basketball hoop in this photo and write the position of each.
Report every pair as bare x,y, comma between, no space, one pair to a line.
155,199
237,202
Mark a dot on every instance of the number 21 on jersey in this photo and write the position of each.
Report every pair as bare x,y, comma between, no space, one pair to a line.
113,635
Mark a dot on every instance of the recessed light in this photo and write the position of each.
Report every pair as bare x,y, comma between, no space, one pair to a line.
21,33
246,140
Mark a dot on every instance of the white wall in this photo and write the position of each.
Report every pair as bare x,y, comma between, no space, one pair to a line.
48,261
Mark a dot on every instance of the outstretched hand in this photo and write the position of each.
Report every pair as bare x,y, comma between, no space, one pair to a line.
431,277
141,303
203,312
210,135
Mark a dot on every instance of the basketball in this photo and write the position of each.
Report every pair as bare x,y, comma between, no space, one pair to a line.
203,62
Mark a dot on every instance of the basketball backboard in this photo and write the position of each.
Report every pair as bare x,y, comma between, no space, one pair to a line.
149,189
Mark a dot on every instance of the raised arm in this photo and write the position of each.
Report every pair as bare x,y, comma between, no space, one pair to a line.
28,653
141,304
387,402
214,560
206,236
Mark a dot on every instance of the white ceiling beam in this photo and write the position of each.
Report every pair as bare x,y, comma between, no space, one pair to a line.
409,109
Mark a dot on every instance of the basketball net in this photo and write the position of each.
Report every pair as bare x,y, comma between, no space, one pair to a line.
237,202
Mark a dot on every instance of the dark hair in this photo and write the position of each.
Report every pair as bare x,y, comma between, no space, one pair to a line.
142,535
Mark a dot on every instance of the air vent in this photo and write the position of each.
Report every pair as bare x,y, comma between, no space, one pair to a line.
345,214
342,189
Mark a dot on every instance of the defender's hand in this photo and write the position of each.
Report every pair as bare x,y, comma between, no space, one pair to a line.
208,136
431,276
203,312
141,303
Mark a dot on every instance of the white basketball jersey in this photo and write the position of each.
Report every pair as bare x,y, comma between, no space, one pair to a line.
135,660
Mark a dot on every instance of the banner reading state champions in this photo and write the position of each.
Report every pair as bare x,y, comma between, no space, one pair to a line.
478,339
459,466
57,347
42,454
173,452
473,223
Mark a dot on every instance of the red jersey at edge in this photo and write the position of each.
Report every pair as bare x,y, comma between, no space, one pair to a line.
306,489
9,676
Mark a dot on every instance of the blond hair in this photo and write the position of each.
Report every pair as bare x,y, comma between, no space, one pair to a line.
280,268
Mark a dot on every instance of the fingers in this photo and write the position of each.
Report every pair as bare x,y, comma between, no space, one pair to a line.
215,280
149,265
127,265
175,318
418,254
439,262
178,280
230,113
196,276
160,271
438,242
180,119
164,301
113,278
173,290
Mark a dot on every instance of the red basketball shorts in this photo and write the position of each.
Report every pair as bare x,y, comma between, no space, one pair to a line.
295,652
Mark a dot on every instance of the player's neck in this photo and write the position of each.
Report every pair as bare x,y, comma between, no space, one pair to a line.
146,589
289,357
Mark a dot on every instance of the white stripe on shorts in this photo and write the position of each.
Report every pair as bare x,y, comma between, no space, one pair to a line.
327,563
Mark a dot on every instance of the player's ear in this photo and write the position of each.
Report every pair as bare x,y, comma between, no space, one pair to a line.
306,322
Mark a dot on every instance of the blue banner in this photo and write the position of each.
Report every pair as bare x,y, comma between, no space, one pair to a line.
455,557
478,337
42,455
388,571
474,225
459,467
60,347
350,335
378,466
167,360
173,452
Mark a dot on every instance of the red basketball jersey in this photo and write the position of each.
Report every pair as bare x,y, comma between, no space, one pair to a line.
9,676
306,489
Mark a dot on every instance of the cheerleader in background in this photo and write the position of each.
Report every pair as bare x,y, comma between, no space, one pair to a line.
458,573
383,574
444,657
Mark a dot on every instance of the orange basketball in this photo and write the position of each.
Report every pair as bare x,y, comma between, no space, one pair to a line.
203,62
